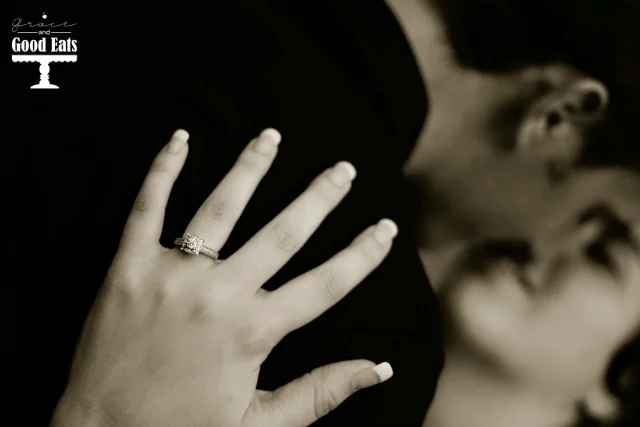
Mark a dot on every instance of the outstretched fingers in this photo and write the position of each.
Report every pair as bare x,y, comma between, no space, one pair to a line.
272,247
218,215
308,296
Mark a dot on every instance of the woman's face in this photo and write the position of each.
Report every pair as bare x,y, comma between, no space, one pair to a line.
549,316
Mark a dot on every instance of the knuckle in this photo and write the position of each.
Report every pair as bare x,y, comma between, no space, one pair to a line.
371,250
121,287
353,386
208,303
330,284
326,191
259,334
252,160
211,302
165,293
325,399
160,166
286,240
142,204
202,310
256,337
218,209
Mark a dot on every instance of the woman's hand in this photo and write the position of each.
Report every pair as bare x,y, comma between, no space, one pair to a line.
175,339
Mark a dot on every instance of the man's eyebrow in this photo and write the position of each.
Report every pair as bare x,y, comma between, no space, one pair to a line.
615,228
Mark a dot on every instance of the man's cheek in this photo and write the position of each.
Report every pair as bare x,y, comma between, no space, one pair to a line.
597,305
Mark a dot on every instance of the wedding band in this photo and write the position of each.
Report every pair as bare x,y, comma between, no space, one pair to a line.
194,245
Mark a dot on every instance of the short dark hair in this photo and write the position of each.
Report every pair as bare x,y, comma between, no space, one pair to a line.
598,37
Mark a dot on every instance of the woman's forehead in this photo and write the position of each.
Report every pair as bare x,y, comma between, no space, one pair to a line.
617,189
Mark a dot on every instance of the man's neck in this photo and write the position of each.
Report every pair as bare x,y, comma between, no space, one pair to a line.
425,32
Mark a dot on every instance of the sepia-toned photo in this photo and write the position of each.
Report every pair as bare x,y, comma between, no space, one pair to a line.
278,213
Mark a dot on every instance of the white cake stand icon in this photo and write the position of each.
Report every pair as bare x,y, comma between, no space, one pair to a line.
44,61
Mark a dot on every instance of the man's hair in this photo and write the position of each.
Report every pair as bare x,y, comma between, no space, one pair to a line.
601,38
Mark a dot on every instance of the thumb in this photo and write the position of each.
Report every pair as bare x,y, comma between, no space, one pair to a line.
312,396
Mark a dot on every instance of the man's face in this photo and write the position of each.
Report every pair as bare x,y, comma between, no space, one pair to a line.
471,178
486,163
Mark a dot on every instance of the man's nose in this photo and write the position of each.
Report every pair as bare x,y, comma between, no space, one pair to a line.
588,235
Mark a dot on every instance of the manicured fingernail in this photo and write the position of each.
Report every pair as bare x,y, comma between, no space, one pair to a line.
178,141
384,371
385,231
273,134
268,141
342,174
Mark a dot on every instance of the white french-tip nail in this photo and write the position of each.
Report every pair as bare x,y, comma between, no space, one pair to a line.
342,174
178,141
386,230
181,134
351,170
384,371
273,134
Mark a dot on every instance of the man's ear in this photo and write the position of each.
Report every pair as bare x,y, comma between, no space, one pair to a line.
554,128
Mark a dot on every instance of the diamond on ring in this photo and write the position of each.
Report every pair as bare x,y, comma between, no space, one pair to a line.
192,244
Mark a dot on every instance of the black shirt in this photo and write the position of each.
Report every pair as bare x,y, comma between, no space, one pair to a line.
337,78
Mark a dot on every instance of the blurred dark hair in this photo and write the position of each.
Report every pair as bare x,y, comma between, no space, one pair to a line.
623,381
598,37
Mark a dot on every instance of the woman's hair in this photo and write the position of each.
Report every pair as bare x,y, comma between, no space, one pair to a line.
601,38
623,381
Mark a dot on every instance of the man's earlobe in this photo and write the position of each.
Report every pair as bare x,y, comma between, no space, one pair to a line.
555,127
586,100
548,134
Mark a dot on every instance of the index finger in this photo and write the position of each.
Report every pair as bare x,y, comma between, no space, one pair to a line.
145,222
